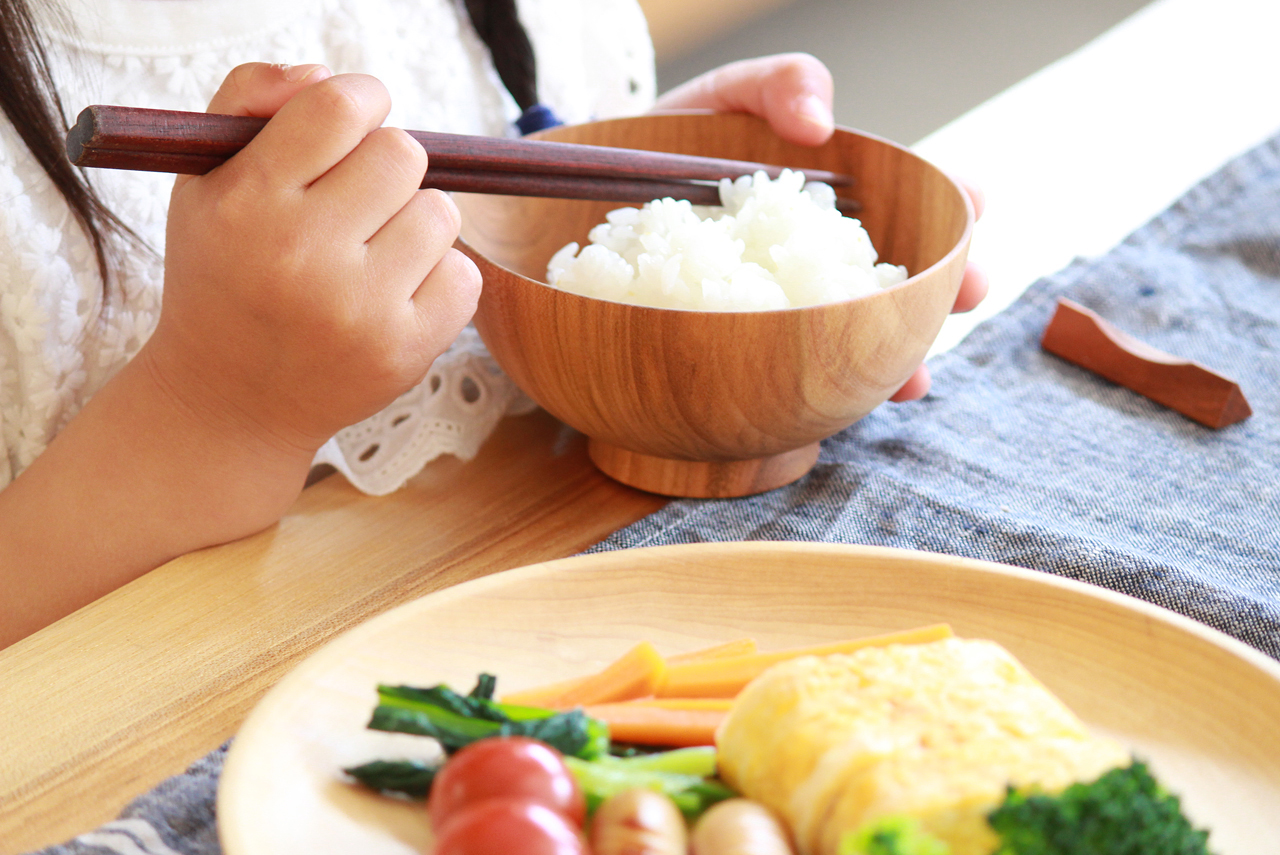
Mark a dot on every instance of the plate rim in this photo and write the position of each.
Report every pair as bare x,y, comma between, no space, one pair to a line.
584,562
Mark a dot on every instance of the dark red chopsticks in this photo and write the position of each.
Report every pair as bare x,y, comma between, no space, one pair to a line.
194,143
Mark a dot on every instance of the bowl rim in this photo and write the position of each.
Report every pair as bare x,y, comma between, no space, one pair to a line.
961,245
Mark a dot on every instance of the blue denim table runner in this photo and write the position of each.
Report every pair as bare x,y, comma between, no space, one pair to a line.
1019,457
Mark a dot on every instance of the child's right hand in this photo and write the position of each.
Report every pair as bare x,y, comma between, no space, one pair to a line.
308,281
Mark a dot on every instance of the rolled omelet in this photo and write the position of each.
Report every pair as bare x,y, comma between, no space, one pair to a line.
936,731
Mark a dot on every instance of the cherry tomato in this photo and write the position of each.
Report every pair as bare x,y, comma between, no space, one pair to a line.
509,826
505,767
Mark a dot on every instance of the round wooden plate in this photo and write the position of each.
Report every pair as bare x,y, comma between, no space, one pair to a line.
1201,707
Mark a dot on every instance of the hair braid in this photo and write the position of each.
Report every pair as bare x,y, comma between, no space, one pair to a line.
497,22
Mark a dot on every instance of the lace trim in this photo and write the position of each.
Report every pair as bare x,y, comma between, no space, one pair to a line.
452,411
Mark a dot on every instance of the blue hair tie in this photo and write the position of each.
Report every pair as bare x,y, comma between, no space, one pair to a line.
539,117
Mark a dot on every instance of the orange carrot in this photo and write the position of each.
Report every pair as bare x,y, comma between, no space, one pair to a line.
739,647
635,674
724,678
646,724
719,704
539,696
544,696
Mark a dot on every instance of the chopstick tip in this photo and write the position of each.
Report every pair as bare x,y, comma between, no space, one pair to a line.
79,135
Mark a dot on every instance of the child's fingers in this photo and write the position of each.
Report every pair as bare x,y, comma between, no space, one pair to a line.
975,194
373,182
793,92
411,243
973,288
446,300
315,129
260,89
916,387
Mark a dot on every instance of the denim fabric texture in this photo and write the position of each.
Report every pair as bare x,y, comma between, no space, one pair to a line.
1019,457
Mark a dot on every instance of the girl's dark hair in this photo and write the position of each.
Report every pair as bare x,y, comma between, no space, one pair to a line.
499,27
30,102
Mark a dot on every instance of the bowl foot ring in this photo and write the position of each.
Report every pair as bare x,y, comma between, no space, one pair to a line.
701,479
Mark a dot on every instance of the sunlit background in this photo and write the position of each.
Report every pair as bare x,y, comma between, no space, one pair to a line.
903,68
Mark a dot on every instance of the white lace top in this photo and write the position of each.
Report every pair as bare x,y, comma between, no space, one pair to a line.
59,343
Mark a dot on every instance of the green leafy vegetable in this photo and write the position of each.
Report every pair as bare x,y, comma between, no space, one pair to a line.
411,778
1124,812
683,774
892,835
456,720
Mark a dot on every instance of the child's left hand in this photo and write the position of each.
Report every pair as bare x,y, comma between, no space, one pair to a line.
793,93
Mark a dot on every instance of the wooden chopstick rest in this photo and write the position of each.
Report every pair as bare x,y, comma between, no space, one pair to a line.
1080,336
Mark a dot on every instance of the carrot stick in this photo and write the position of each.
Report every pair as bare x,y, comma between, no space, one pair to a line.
724,678
645,724
635,674
739,647
539,696
543,696
717,704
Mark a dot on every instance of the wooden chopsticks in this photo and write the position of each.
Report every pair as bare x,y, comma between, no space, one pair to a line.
194,143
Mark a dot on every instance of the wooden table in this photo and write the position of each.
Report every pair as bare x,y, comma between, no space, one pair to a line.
99,707
109,701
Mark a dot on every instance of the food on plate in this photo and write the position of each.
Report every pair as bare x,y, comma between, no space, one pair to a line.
909,743
1124,812
506,826
739,827
638,821
647,699
719,671
554,693
515,767
726,677
459,722
771,244
636,673
936,733
456,721
680,722
685,775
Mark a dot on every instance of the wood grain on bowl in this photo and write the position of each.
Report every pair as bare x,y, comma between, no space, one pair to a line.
717,403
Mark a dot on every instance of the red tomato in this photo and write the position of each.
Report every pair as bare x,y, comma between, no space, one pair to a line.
509,826
505,767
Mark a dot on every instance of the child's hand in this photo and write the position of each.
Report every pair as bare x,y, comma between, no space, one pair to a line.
308,281
793,92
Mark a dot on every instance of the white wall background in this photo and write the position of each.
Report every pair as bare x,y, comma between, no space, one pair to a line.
904,68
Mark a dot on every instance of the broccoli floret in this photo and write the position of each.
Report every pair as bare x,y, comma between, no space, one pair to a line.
892,835
1124,812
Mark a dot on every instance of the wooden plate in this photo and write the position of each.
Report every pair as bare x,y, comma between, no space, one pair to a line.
1201,707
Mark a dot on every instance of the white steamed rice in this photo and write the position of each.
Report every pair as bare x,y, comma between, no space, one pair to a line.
775,244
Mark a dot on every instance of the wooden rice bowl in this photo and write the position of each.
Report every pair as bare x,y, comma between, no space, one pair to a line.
715,404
